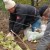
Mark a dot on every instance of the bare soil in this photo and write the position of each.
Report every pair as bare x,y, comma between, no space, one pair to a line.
4,21
4,26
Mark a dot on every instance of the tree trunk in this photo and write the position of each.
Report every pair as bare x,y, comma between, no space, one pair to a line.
32,2
37,3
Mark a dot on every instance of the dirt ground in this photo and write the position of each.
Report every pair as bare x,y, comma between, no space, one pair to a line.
4,26
4,22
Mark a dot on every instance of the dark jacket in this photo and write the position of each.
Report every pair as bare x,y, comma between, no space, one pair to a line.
22,17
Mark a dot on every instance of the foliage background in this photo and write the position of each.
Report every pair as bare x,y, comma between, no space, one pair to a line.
24,2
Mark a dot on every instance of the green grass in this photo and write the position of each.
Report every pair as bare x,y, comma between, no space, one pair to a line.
17,1
22,2
2,5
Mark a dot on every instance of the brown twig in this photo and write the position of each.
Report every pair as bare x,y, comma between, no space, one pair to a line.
21,40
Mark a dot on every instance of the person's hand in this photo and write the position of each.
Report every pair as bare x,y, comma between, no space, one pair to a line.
38,30
9,34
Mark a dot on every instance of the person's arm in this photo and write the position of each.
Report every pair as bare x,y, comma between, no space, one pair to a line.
11,23
19,23
45,40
